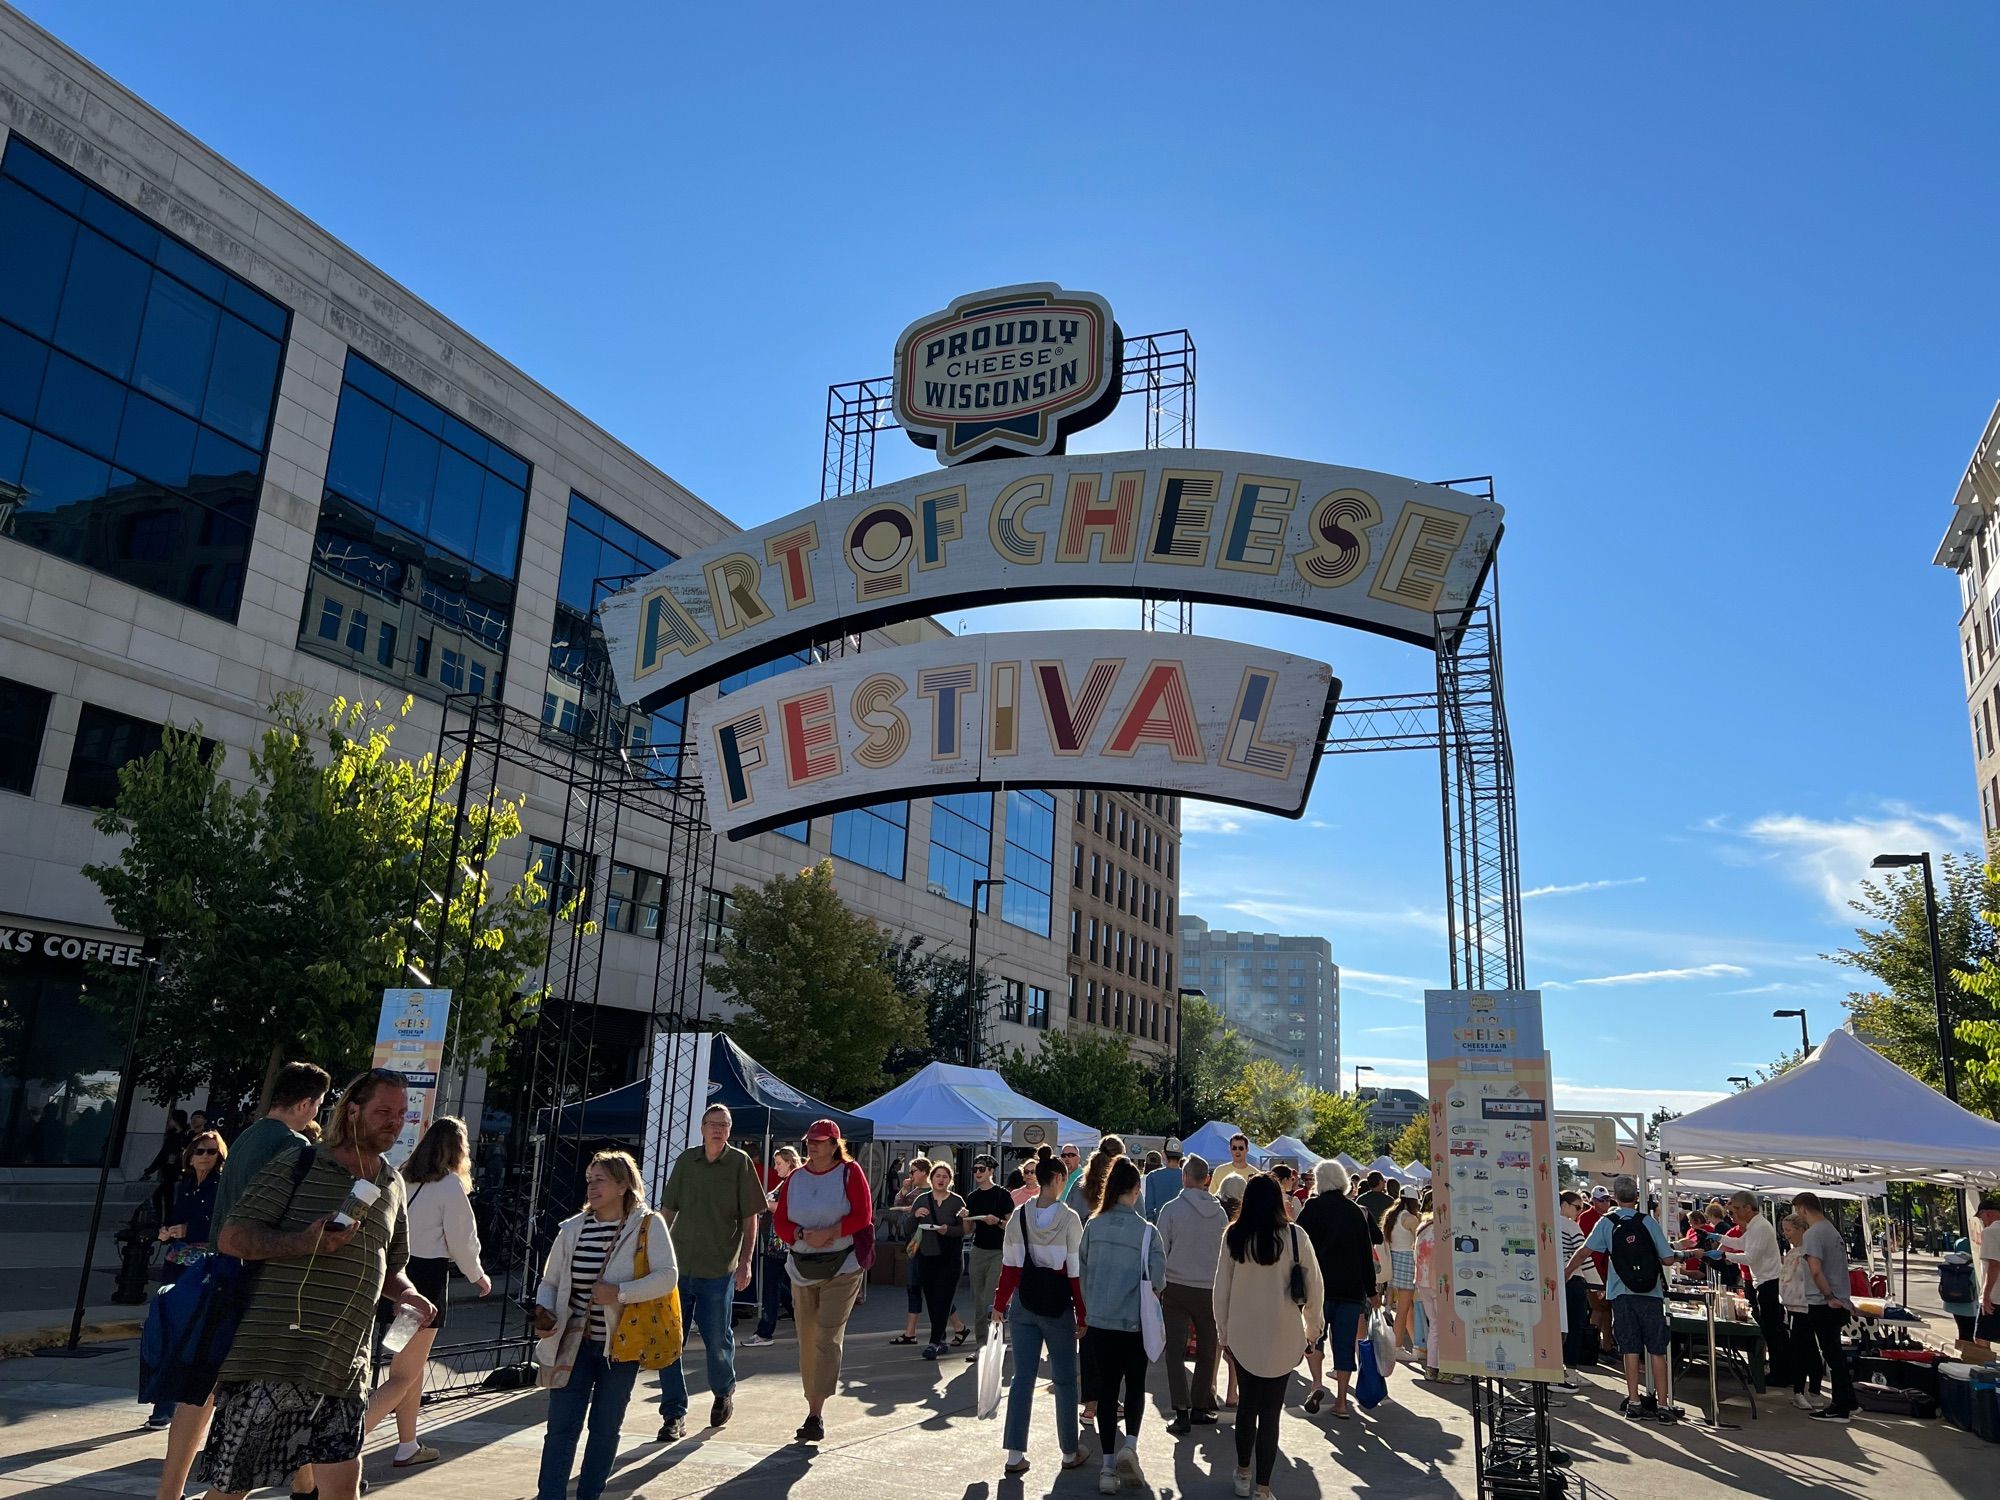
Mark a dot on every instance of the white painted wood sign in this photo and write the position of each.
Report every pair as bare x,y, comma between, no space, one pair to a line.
1187,715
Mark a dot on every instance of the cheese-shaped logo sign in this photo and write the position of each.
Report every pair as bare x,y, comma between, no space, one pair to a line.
1013,370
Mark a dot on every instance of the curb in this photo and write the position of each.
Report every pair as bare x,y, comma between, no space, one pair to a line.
27,1340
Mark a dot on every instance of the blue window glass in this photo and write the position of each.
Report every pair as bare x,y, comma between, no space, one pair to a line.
411,488
876,838
961,846
103,303
35,241
176,345
1025,901
13,450
330,612
798,833
117,473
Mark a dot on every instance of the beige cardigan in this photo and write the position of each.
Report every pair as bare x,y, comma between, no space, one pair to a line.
1265,1331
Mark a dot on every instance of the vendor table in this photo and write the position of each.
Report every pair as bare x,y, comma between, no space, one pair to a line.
1688,1335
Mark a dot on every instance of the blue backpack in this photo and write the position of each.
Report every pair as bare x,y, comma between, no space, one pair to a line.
192,1323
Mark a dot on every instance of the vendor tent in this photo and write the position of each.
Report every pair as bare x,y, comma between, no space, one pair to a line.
1211,1144
761,1103
1844,1113
1386,1165
945,1103
1353,1166
1298,1150
1416,1171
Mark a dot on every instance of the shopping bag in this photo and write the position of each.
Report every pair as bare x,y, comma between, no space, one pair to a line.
648,1334
1383,1338
1152,1318
992,1363
1370,1389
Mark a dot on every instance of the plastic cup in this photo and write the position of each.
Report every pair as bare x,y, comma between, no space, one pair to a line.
401,1331
360,1198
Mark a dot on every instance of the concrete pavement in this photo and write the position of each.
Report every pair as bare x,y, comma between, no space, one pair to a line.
903,1427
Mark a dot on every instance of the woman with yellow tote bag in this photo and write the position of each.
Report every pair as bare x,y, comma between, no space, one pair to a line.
608,1263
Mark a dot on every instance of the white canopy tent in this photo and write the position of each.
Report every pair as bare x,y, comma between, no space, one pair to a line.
1416,1171
1354,1168
1386,1165
948,1104
1844,1114
1292,1146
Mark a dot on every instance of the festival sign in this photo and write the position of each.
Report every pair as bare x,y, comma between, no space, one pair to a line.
1011,370
1343,545
1180,714
1498,1258
410,1037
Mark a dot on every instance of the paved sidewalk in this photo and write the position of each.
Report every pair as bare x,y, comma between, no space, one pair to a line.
903,1427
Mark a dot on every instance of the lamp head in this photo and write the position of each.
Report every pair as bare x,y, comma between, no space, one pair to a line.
1788,1013
1894,861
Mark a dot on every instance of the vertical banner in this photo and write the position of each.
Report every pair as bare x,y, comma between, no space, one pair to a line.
1498,1258
677,1093
410,1039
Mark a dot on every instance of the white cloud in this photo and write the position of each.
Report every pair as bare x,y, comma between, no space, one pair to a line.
1280,912
1579,886
1662,976
1211,817
1779,987
1831,856
1389,986
1412,1073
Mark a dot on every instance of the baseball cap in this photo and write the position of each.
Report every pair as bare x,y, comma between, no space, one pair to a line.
1600,1193
822,1130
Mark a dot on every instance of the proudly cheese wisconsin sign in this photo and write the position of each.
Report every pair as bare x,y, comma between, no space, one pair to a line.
1343,545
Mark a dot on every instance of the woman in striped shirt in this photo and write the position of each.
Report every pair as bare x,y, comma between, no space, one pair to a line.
590,1274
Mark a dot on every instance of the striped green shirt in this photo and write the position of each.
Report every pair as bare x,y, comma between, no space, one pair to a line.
329,1295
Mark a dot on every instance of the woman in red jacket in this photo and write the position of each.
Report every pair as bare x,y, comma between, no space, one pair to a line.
826,1214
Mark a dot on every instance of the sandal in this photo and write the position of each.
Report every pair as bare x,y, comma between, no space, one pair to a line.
960,1337
904,1338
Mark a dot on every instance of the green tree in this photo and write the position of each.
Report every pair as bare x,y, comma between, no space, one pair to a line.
1092,1078
1212,1057
1655,1120
1267,1100
1898,1017
935,984
1413,1143
1337,1123
284,909
820,1008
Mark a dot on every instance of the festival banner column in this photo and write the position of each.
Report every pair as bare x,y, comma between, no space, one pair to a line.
1498,1255
410,1038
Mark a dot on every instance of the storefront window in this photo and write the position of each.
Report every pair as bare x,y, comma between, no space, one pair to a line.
62,1043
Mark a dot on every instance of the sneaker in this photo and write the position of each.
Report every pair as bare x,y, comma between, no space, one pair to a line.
812,1430
1670,1414
159,1424
1632,1409
1016,1468
755,1341
1567,1384
672,1430
1241,1483
1649,1408
425,1454
1108,1482
1180,1426
1201,1416
931,1351
1128,1464
723,1409
1077,1459
1830,1415
1804,1402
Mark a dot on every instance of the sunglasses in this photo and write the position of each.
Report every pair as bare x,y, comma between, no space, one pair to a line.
203,1151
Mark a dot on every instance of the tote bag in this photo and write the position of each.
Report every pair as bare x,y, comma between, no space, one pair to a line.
1152,1320
992,1364
648,1333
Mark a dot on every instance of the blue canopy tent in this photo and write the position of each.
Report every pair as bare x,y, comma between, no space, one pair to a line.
1211,1144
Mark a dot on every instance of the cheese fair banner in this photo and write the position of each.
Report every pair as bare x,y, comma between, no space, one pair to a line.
1498,1255
1343,545
410,1037
1173,713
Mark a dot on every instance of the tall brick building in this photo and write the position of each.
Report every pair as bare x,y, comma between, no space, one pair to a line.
1124,886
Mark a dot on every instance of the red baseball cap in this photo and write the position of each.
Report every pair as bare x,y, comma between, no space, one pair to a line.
822,1130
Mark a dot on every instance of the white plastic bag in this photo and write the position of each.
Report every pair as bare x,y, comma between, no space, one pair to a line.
1383,1337
992,1363
1152,1318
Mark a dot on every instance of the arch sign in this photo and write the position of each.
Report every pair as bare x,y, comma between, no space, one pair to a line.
1057,708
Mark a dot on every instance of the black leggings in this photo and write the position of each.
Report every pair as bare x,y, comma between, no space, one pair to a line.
1259,1408
1802,1353
940,1278
1117,1358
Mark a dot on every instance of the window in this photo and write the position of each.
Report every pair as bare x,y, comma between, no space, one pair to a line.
137,382
421,523
1097,811
1095,865
1093,940
105,742
1075,931
1027,900
599,546
1038,1007
1013,1001
1119,962
632,902
1072,997
1076,869
718,917
876,838
1119,902
1090,1000
566,874
798,833
962,845
330,613
24,715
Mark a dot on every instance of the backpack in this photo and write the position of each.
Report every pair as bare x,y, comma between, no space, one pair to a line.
1955,1282
1044,1289
1634,1256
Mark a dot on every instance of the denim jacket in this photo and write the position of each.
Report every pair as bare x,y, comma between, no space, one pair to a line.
1111,1272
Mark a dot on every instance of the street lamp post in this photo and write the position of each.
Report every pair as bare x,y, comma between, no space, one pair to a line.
1805,1036
1740,1081
1947,1069
974,1010
1359,1069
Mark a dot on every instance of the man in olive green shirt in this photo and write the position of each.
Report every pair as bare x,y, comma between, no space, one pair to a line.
712,1201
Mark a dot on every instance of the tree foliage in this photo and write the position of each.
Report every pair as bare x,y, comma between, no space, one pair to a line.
1655,1120
820,1008
935,983
1413,1143
1337,1123
1899,1016
1267,1100
282,910
1092,1078
1212,1057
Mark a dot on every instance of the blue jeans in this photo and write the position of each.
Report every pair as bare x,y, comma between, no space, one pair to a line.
597,1389
704,1304
777,1294
1029,1333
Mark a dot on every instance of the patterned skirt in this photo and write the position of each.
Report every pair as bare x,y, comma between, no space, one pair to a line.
1402,1269
265,1429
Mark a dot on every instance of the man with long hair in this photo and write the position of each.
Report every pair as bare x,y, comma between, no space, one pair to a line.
331,1232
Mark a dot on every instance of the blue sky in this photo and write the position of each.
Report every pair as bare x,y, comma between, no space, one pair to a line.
1713,302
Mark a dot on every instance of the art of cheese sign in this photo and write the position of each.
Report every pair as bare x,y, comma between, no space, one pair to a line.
1175,713
1252,530
1497,1257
